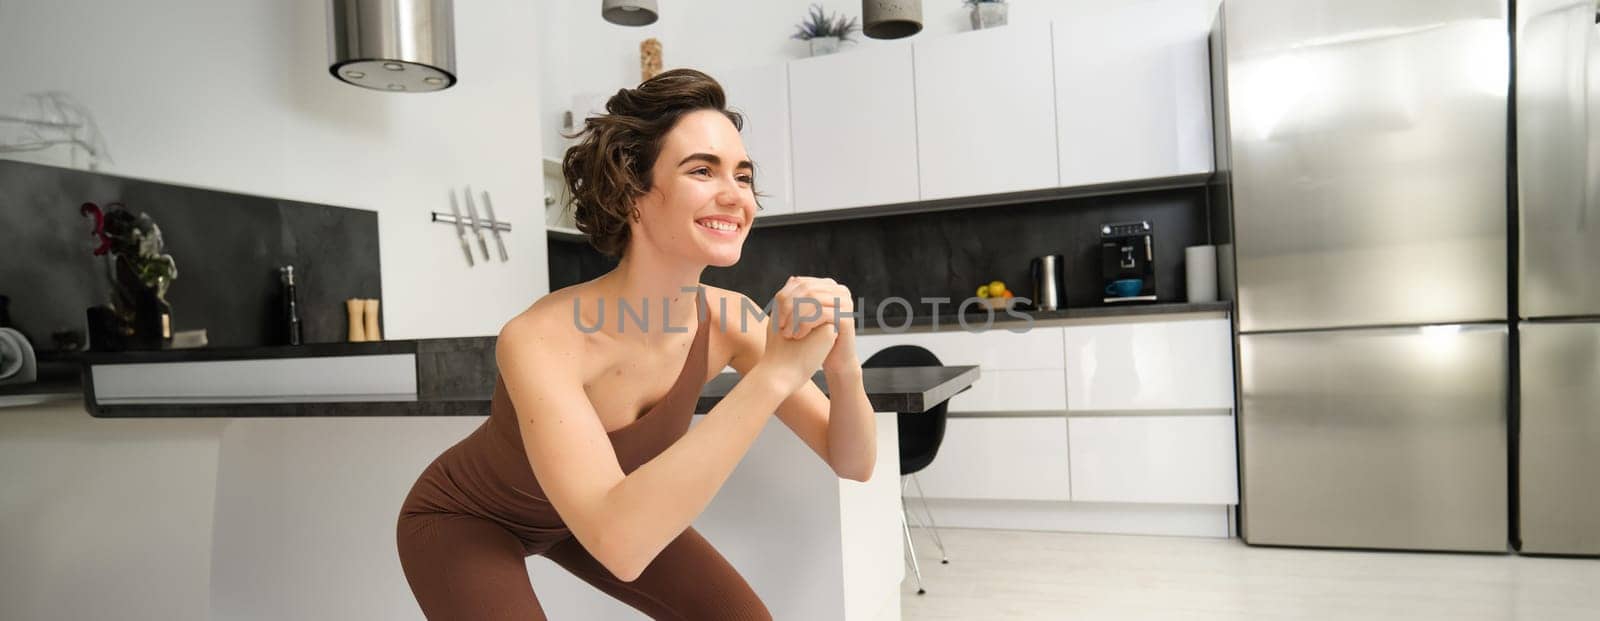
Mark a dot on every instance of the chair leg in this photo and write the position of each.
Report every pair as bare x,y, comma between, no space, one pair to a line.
905,501
944,558
912,552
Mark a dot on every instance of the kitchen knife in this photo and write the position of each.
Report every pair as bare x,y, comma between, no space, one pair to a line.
461,232
499,242
477,229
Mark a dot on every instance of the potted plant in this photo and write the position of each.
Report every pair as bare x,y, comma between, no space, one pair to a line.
823,33
139,271
987,13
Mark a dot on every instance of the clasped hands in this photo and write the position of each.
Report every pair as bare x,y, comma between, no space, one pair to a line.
811,326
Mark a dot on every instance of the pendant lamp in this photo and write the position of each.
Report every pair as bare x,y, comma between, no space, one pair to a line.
891,19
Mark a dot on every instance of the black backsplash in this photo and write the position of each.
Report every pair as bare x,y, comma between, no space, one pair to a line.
227,246
946,253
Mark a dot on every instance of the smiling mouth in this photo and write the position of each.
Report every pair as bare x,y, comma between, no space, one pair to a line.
719,225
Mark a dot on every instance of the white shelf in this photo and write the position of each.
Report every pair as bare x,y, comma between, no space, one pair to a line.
561,232
552,166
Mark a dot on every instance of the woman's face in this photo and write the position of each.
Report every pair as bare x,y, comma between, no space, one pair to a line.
701,202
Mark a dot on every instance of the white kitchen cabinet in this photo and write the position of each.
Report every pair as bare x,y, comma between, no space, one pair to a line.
1159,459
986,112
1000,458
1020,390
1156,365
761,95
1133,93
1136,412
853,128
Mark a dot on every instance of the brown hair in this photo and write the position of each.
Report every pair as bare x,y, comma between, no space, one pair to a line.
610,166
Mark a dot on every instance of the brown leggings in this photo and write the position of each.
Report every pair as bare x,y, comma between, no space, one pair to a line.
465,567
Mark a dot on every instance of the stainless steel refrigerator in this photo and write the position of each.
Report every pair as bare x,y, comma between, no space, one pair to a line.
1558,301
1362,147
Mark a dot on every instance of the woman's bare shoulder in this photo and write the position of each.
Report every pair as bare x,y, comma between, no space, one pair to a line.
549,325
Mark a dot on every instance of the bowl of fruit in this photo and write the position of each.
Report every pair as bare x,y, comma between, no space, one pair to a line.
995,295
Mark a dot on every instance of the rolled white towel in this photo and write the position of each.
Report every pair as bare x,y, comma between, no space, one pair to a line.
17,364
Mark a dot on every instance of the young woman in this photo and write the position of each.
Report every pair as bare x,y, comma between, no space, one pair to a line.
587,456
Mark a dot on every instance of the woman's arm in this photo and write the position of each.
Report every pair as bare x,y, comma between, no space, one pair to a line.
624,521
852,425
842,430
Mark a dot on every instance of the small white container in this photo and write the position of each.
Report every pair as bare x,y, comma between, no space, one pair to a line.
1200,268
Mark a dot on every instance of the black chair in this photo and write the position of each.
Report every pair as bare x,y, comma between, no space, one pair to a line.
921,433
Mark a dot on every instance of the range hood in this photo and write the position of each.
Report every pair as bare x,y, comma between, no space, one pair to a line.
393,45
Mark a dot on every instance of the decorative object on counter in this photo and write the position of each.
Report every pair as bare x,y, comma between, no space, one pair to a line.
987,13
189,339
68,340
629,12
140,272
370,311
1127,255
363,320
1200,270
824,33
649,58
995,295
471,220
891,19
355,310
107,331
17,362
393,45
1046,272
291,306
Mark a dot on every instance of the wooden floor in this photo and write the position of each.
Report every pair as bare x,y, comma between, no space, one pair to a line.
1033,575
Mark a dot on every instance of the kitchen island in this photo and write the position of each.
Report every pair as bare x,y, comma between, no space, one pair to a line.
290,529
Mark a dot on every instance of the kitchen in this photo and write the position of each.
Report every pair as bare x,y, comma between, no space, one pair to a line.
1115,457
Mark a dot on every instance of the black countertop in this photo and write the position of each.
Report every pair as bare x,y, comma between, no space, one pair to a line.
977,317
902,389
308,350
455,377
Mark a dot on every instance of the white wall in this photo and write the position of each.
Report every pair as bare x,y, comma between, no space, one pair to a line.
115,519
584,54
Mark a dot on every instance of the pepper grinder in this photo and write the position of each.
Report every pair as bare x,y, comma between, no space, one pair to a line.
354,308
291,306
373,334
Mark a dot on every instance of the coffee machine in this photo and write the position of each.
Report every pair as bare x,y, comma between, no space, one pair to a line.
1127,262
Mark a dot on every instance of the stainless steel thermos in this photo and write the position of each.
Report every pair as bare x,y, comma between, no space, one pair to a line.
1045,272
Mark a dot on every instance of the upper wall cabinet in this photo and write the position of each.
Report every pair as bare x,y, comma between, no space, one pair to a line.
986,112
1133,94
853,128
761,94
